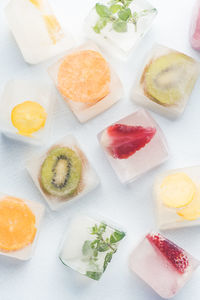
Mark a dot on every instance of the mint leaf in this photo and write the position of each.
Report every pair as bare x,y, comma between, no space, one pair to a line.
94,275
119,26
102,10
124,14
102,247
128,2
115,8
101,23
107,259
86,249
117,236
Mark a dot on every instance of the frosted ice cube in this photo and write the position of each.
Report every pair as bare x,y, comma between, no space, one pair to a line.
19,91
132,151
165,81
36,30
122,43
177,198
27,252
195,27
73,172
86,111
82,253
164,266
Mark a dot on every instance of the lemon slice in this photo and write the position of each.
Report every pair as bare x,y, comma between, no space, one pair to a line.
192,211
36,3
53,28
177,190
28,117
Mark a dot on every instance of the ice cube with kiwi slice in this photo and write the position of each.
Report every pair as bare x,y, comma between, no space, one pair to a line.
168,78
61,171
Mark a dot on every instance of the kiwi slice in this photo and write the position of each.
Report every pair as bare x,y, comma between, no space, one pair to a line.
61,172
167,78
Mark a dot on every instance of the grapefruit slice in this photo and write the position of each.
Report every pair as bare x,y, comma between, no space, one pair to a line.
17,224
84,76
177,190
28,117
122,141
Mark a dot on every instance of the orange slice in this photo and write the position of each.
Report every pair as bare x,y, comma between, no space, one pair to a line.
17,224
28,117
84,76
53,28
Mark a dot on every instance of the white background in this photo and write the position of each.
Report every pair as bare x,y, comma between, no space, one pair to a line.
44,277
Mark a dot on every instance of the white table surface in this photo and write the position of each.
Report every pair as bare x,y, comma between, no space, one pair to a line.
44,277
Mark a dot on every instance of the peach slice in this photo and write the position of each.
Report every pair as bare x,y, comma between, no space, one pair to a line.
17,224
177,190
28,117
84,76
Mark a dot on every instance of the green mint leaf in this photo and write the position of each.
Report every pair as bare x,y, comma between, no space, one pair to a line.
95,253
115,8
119,26
102,247
124,14
116,236
86,249
94,275
102,10
102,228
107,259
101,23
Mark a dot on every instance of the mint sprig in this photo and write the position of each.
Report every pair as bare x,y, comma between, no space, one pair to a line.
118,13
91,249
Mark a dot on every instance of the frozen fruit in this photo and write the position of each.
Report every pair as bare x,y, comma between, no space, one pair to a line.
17,224
28,117
61,172
172,252
166,78
122,140
195,27
192,211
177,190
84,76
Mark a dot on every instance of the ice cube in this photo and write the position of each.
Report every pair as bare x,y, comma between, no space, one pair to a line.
134,145
118,38
166,81
18,92
62,173
88,88
37,209
195,27
36,30
89,246
177,198
163,265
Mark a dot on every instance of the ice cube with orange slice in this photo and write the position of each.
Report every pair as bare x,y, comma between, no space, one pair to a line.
177,198
36,30
27,108
86,81
19,226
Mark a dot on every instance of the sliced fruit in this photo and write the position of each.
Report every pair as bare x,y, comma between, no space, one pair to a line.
84,76
175,255
28,117
122,141
17,224
192,211
177,190
167,78
61,172
36,3
53,28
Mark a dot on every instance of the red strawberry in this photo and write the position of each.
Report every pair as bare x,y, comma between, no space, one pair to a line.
126,140
172,252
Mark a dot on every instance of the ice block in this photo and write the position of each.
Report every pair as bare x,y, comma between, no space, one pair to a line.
163,265
89,246
86,81
19,226
165,81
177,198
26,111
62,173
134,145
118,26
36,30
195,27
